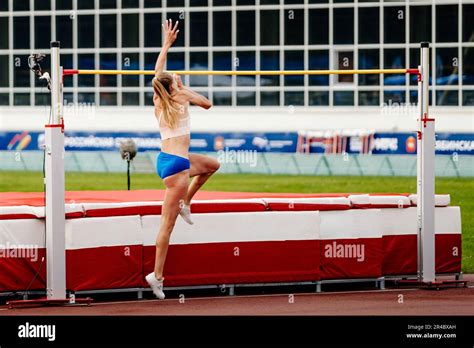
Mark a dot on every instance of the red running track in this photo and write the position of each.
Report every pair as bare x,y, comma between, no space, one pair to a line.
449,301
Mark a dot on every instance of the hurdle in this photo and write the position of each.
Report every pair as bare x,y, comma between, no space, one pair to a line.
54,163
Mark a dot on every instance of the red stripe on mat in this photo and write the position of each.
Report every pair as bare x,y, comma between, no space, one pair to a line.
238,262
37,198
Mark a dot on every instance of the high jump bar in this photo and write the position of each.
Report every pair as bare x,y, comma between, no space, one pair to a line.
244,72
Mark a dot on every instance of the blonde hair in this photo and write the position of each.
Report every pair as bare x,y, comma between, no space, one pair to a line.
162,86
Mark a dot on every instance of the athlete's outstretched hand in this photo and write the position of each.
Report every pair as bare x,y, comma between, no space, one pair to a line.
170,31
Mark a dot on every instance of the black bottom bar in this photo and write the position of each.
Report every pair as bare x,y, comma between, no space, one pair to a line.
193,330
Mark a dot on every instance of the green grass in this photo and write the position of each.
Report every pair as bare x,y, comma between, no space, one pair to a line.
460,189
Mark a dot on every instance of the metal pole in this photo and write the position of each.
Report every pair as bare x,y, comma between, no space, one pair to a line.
419,176
426,174
54,176
128,175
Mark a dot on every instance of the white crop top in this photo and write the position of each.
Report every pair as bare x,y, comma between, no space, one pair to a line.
183,127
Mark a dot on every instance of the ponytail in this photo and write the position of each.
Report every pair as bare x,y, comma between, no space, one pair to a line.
170,108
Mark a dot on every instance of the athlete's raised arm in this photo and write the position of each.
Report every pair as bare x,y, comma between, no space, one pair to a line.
170,35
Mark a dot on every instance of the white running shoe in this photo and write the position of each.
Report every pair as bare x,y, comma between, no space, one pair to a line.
156,285
185,212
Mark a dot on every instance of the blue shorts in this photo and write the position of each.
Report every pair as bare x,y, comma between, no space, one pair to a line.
167,164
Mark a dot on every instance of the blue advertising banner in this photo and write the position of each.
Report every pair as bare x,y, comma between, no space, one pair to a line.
148,141
399,144
394,143
378,143
462,144
405,143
